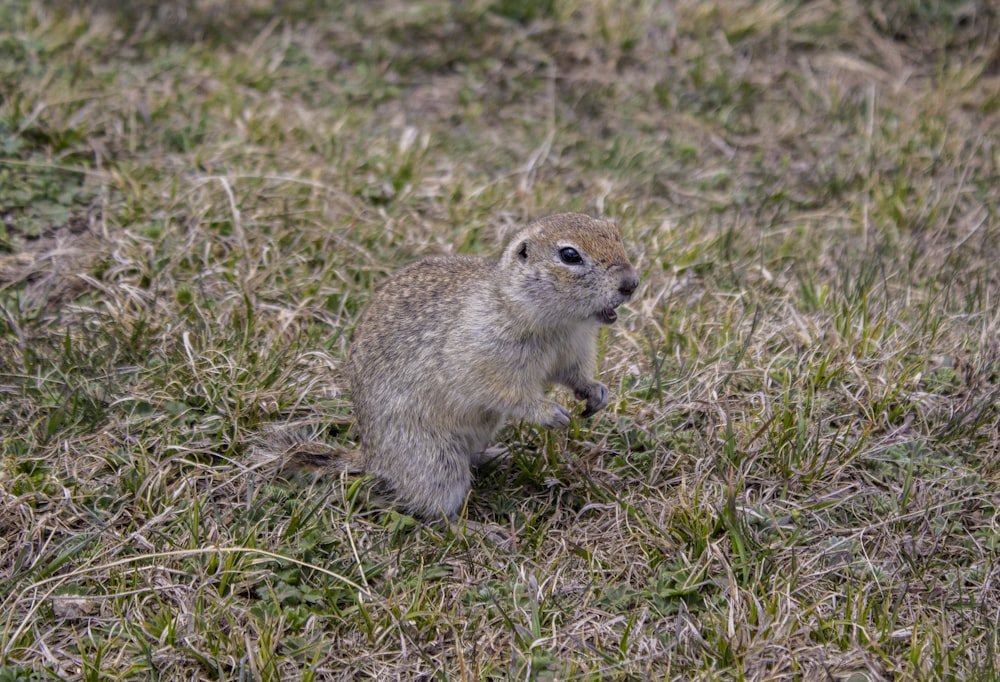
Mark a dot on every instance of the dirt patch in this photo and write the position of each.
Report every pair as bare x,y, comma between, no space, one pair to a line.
55,267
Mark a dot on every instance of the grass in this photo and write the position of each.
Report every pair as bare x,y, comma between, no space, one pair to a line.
796,477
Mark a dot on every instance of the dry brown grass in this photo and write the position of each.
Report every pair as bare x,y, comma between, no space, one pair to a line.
796,478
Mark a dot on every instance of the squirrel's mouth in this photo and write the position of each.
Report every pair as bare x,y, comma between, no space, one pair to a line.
607,316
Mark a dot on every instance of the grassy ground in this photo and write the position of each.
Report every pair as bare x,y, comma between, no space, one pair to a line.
797,476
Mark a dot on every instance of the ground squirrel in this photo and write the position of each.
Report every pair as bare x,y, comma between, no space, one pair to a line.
451,346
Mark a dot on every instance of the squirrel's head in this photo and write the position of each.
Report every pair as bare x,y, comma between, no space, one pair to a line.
570,267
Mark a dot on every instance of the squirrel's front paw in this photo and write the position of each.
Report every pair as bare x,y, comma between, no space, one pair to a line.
596,395
554,415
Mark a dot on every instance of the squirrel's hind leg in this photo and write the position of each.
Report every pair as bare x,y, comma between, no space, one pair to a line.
431,482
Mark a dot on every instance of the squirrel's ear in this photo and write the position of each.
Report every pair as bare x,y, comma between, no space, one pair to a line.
522,250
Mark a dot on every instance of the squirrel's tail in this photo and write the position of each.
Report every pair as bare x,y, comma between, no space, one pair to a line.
285,452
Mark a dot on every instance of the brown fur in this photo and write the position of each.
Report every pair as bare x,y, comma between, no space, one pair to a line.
450,347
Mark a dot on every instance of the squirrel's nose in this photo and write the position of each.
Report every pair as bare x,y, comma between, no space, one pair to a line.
628,283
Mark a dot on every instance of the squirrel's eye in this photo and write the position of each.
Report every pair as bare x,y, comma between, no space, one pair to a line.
570,255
